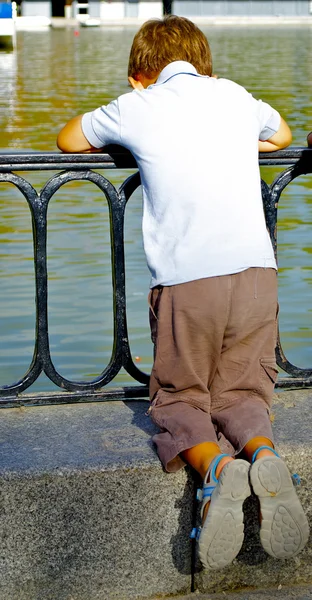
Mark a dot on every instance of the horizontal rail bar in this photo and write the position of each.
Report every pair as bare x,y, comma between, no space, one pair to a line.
134,392
118,157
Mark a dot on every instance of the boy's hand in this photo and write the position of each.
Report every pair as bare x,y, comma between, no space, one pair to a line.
136,85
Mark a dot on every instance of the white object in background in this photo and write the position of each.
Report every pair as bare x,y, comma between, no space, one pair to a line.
112,10
7,25
89,22
34,23
150,10
68,11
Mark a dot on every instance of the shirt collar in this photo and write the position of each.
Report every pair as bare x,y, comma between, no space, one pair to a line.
174,68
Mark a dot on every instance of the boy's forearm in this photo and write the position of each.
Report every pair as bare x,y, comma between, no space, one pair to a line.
281,139
72,139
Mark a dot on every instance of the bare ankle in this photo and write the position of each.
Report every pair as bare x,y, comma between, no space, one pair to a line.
222,463
263,453
254,444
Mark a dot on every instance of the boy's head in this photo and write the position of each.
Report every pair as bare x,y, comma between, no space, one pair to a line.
162,41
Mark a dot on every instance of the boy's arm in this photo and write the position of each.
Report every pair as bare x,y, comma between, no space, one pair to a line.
281,139
72,139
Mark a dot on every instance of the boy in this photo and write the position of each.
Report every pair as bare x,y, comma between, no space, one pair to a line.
213,292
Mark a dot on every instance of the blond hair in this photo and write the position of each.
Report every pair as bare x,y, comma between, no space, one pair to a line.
162,41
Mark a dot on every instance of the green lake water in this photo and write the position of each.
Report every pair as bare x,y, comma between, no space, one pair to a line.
55,75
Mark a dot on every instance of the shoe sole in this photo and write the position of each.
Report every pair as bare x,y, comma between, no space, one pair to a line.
284,529
222,533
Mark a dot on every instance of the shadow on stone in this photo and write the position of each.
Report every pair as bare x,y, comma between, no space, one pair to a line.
182,553
142,420
251,552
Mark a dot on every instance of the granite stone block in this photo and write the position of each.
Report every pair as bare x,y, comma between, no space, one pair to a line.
86,511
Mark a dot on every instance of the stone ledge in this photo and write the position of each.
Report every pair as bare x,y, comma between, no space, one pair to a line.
87,513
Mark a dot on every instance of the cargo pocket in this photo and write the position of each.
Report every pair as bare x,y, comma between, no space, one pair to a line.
268,377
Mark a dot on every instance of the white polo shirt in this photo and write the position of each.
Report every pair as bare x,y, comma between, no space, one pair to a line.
195,139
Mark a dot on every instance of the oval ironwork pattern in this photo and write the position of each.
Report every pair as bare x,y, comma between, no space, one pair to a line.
80,168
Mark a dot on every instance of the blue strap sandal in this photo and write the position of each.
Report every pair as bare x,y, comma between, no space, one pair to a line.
284,528
221,536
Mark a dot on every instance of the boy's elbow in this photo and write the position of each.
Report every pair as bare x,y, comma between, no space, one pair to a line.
71,137
287,138
284,135
65,140
62,142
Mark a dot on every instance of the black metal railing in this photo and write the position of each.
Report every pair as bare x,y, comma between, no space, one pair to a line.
77,167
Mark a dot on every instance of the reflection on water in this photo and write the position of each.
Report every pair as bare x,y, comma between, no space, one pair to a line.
55,75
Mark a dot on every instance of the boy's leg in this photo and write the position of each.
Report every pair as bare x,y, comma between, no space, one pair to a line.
202,341
240,407
187,324
243,385
201,456
259,446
